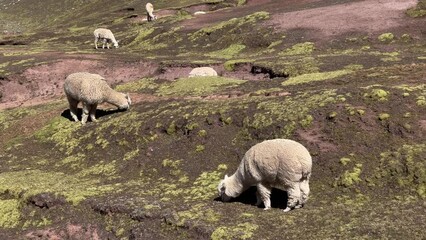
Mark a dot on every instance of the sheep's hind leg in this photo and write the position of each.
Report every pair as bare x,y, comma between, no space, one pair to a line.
96,43
293,196
263,195
304,193
73,108
103,43
92,112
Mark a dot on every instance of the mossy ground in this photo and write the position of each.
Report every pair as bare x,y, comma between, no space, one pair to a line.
357,103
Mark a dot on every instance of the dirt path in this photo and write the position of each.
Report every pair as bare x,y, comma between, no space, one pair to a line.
333,19
371,16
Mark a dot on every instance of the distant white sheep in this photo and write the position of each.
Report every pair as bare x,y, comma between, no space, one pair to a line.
150,12
202,72
106,36
279,163
91,90
199,13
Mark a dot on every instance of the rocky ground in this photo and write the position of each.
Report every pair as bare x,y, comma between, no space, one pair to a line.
344,78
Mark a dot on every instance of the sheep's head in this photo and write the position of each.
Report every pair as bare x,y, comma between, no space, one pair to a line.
222,190
116,44
126,102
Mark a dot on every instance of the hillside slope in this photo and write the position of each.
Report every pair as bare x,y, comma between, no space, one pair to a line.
319,72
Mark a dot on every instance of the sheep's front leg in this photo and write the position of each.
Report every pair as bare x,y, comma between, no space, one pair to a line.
293,196
86,111
263,195
92,112
73,108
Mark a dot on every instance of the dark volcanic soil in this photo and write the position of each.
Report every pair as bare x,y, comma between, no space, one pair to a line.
314,71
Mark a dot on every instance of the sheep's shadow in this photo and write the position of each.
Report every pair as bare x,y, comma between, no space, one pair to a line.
99,113
279,198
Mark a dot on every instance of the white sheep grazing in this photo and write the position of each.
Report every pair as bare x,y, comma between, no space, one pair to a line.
150,12
91,90
199,13
279,163
106,36
202,72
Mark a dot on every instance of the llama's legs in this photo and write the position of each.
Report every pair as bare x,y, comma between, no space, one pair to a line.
92,112
263,195
293,196
304,192
86,111
73,108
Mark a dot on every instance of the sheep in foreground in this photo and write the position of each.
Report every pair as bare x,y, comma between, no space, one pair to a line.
280,163
91,90
202,72
150,12
106,36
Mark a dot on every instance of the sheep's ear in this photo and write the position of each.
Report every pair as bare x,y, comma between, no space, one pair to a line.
226,176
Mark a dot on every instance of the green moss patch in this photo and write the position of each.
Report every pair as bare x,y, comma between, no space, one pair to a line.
197,86
143,85
298,49
386,37
377,94
404,167
204,187
59,130
350,178
291,112
9,213
199,212
22,184
159,41
418,11
240,231
228,52
315,77
234,23
9,117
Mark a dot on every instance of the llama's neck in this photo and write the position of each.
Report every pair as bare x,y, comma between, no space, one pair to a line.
116,98
235,185
113,40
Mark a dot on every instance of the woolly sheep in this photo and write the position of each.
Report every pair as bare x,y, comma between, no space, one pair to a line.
280,163
91,90
150,12
106,36
202,72
199,13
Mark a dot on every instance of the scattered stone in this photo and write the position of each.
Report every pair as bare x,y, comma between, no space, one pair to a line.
202,72
47,200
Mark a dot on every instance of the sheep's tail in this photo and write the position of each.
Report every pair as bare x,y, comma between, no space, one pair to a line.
306,167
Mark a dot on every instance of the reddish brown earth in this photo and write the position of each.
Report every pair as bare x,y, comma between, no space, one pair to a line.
133,213
369,17
42,83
